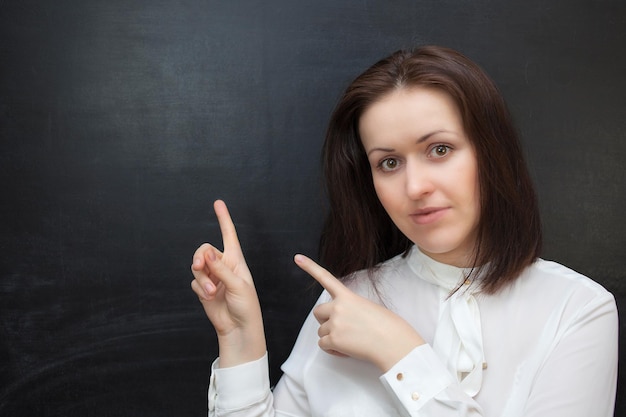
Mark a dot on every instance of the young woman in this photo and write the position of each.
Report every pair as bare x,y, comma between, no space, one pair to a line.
443,308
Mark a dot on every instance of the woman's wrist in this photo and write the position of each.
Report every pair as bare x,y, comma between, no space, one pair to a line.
241,346
397,348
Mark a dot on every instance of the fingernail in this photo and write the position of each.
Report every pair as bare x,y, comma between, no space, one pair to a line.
212,256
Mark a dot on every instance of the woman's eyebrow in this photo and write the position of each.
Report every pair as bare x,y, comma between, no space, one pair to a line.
417,142
381,150
428,135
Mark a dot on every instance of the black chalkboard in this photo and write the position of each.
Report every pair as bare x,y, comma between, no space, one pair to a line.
121,122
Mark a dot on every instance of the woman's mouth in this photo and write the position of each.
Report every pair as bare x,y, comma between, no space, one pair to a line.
428,215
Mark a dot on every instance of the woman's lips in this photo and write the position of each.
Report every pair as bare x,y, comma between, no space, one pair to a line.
428,215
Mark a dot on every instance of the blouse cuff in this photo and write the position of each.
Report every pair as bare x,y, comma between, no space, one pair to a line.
239,386
417,378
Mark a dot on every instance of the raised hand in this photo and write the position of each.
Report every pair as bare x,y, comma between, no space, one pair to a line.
351,325
224,285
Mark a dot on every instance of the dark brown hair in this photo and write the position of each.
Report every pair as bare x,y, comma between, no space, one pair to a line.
358,233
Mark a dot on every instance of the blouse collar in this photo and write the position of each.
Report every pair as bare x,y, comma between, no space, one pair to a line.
443,275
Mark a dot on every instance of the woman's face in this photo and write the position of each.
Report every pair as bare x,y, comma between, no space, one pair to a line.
424,171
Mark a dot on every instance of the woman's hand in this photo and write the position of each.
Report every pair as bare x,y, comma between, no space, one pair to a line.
351,325
226,290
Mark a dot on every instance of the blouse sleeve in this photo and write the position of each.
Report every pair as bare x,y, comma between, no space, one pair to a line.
240,391
422,386
244,391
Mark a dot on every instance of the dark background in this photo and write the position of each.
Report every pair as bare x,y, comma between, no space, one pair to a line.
121,122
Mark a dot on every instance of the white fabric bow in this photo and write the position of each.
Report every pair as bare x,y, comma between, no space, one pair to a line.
458,337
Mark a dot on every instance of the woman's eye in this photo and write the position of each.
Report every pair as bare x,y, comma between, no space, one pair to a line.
440,151
388,164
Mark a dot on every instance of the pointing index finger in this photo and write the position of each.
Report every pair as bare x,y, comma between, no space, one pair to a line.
321,275
227,227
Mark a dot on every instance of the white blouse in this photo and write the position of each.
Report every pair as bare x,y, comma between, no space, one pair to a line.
546,346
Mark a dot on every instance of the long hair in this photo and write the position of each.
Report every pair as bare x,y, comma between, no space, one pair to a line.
358,233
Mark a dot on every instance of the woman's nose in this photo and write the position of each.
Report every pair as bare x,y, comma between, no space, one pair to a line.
418,180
